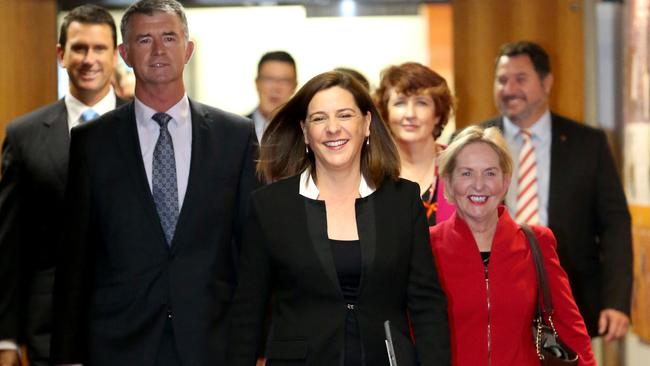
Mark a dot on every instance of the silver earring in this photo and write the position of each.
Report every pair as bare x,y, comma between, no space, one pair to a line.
306,149
368,140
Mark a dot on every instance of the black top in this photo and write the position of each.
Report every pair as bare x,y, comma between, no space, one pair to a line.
485,256
347,260
431,213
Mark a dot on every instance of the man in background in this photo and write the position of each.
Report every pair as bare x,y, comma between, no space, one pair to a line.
123,82
34,173
157,195
276,82
565,178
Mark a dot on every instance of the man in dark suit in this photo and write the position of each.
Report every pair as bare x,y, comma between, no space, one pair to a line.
579,193
276,82
158,190
34,173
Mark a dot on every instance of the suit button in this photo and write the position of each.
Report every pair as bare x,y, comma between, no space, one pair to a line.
170,315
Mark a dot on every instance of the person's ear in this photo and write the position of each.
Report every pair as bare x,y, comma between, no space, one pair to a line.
303,127
124,54
446,180
547,83
59,54
189,50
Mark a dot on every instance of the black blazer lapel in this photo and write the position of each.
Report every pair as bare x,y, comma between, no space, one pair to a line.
559,152
201,151
126,131
317,227
56,141
366,226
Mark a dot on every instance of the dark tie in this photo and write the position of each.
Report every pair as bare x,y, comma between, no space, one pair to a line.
88,114
163,178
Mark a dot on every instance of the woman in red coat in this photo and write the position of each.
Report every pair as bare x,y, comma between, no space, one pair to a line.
486,266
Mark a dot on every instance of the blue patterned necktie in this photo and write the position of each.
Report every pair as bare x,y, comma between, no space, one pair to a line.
163,178
88,115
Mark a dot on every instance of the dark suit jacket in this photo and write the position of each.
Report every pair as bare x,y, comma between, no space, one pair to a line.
588,214
118,282
34,174
286,252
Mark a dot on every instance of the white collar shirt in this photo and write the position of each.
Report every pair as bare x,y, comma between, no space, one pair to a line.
309,189
180,129
75,107
260,124
541,139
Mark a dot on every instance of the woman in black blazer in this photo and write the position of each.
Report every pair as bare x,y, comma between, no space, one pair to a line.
338,244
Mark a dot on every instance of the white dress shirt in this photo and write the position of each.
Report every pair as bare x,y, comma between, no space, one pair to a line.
541,140
308,186
260,124
75,107
180,129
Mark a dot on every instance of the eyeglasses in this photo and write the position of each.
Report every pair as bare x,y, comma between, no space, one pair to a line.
274,80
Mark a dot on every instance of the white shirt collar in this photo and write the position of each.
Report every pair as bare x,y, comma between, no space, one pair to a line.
75,107
308,186
541,129
180,112
260,123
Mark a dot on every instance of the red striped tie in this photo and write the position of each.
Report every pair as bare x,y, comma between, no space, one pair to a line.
527,201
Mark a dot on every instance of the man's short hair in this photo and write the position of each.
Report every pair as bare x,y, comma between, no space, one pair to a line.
149,7
535,52
87,14
281,56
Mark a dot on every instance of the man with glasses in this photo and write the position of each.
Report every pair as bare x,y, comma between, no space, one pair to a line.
275,83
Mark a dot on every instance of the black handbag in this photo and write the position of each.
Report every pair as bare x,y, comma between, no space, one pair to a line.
550,349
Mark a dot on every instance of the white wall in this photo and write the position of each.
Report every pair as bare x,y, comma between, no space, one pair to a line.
230,42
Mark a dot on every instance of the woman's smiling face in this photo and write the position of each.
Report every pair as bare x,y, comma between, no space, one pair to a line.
335,129
478,183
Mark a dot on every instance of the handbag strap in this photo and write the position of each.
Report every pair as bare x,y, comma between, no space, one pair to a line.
543,292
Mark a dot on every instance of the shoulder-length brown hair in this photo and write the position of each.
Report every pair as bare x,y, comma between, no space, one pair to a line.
282,151
413,78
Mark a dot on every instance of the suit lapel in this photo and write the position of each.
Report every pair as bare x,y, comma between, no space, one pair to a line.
317,227
129,144
366,226
559,152
201,151
56,140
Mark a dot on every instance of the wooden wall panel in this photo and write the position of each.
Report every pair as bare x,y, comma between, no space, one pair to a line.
482,26
440,39
28,57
